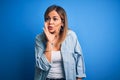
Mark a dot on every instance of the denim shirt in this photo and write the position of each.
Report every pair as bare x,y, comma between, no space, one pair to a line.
73,61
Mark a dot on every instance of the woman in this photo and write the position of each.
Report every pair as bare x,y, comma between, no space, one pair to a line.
57,51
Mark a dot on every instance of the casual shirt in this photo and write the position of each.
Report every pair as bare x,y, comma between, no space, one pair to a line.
71,52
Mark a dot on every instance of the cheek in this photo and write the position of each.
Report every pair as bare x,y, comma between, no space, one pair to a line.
57,29
58,26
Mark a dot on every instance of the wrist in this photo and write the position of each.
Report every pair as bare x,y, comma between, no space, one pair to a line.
47,51
79,78
49,46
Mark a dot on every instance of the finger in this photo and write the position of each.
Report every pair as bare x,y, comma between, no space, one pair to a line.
46,33
44,29
46,26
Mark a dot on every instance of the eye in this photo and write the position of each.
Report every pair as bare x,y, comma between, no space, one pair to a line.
47,19
55,19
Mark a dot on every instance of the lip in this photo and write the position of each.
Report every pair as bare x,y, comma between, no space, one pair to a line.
50,27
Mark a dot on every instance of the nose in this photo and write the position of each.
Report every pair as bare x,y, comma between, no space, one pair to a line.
51,21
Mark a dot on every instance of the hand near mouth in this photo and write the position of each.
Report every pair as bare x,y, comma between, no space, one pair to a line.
50,37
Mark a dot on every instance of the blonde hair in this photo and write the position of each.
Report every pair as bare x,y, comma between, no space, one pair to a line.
63,16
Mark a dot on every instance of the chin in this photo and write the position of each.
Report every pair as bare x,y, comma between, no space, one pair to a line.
52,32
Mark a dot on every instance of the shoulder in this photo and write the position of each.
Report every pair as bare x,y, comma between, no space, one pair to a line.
40,37
71,33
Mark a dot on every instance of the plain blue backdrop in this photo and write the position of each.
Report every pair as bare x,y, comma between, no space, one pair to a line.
96,23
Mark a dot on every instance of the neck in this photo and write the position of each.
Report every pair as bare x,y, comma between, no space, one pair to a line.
56,40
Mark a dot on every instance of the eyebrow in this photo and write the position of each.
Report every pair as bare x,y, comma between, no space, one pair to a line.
55,16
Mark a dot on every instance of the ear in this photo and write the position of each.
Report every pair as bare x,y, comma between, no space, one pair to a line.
62,24
61,29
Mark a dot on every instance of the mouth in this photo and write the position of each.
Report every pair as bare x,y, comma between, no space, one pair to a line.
50,28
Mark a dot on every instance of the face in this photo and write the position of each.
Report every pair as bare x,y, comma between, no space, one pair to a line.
54,22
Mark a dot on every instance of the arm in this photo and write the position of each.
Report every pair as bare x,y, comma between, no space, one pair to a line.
40,58
79,79
49,45
43,55
48,51
80,68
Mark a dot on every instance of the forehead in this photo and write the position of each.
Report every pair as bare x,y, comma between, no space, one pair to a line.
53,14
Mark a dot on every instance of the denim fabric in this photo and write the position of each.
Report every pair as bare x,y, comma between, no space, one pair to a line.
55,79
71,53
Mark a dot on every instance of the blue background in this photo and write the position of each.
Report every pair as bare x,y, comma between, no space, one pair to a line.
96,22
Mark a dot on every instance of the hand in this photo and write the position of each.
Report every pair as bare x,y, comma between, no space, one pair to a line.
79,79
50,37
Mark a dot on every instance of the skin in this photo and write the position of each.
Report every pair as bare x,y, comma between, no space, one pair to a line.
52,26
52,29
